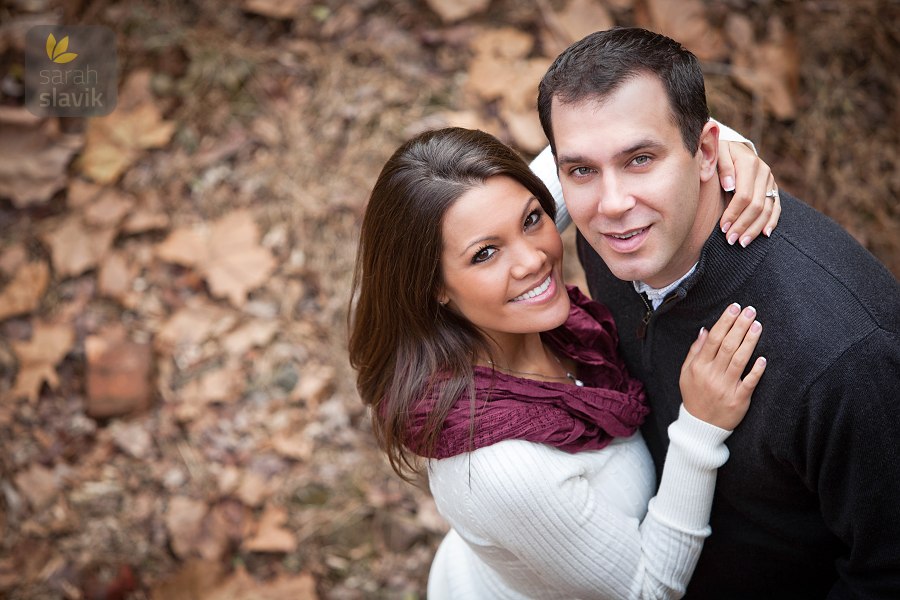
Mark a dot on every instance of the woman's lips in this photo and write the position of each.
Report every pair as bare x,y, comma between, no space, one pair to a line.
538,294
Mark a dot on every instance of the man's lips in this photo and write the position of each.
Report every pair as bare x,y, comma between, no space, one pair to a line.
628,240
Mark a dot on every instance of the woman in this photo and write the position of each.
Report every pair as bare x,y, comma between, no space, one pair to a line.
472,352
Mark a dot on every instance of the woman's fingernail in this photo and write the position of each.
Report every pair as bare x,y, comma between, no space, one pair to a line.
702,331
734,308
756,327
745,241
726,226
767,231
728,184
732,239
749,312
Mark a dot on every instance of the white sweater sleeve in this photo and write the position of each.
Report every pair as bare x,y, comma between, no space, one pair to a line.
533,502
544,166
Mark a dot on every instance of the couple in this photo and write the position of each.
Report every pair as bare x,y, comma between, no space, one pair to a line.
525,396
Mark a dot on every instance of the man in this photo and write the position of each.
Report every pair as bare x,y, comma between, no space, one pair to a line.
807,505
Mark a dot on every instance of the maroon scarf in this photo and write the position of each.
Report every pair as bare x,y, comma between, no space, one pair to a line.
611,404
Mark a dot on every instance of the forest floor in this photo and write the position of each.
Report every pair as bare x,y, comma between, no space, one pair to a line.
177,416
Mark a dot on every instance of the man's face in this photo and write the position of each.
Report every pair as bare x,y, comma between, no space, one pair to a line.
630,185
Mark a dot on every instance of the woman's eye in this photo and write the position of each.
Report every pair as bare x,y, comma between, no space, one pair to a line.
533,218
484,254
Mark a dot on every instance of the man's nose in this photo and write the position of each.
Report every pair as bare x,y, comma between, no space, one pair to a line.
615,199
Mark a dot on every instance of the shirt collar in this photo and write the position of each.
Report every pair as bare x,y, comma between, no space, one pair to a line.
657,295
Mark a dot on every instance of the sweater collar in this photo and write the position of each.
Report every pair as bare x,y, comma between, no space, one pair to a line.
723,269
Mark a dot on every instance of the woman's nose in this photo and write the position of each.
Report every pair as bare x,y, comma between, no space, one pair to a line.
529,259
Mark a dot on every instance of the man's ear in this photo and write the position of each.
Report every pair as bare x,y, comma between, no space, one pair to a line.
708,151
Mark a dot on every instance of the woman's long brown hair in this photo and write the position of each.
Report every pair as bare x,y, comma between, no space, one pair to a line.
402,341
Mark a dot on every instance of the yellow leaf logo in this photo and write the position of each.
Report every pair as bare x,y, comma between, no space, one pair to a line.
57,51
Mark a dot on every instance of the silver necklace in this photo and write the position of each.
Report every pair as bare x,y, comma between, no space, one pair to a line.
568,375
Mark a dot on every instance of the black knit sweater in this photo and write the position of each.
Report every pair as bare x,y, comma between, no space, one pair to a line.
808,505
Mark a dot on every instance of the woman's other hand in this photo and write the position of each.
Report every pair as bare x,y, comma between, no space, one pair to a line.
753,208
711,384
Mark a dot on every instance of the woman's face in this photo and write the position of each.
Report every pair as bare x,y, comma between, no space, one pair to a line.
502,261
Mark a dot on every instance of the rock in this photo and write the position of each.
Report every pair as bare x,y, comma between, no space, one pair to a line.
118,376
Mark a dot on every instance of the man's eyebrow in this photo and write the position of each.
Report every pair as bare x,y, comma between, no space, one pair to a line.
644,144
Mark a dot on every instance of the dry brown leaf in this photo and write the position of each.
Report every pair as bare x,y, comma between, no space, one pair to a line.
192,325
500,71
686,22
185,246
132,438
316,381
12,258
108,210
456,10
241,586
116,277
276,9
503,42
526,130
193,581
581,17
255,333
184,521
293,444
33,160
219,385
228,254
253,489
39,484
24,291
75,248
769,69
147,216
81,193
48,345
270,535
117,140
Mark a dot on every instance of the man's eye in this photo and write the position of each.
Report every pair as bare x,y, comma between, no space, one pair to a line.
581,171
484,254
641,160
533,218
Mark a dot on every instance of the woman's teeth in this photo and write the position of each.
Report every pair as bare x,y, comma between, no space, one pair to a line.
535,292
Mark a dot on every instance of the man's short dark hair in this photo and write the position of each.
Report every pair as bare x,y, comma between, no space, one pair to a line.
593,69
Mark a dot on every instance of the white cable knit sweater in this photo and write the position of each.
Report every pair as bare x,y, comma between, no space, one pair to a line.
531,521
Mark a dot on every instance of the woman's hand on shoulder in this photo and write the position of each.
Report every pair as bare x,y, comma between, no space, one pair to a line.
753,208
711,386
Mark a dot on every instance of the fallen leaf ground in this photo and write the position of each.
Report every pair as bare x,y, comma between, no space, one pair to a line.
177,416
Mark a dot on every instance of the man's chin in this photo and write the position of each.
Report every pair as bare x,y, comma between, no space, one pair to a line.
629,270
